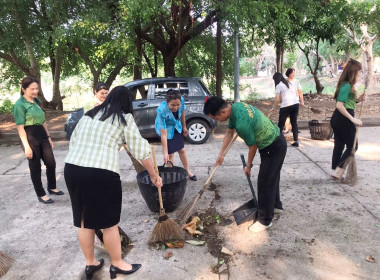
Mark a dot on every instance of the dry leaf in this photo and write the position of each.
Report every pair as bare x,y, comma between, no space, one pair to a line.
192,226
168,255
175,244
147,220
369,258
195,242
226,251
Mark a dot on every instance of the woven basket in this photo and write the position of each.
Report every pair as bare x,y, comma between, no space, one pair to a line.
174,181
320,130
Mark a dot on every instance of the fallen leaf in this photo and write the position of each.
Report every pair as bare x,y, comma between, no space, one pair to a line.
175,244
195,242
147,220
223,268
168,255
226,251
192,226
370,259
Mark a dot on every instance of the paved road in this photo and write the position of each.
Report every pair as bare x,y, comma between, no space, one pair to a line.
325,232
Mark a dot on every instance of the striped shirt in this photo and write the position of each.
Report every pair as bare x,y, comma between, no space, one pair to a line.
96,143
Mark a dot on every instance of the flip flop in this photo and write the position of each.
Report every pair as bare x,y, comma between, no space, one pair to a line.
193,178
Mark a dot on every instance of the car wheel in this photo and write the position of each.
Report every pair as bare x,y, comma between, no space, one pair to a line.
199,131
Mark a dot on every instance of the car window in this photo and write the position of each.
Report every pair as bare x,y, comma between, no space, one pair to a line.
204,87
162,88
140,92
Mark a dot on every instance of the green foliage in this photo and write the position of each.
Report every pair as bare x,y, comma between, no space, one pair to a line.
291,60
7,107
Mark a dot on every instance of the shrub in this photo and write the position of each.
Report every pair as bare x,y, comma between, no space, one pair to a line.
7,107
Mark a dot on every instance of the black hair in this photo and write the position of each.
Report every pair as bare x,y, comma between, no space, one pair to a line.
117,103
277,77
213,106
25,83
101,86
289,71
172,94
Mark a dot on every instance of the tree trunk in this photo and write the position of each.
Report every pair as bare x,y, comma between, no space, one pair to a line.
282,58
333,64
137,73
318,85
168,64
278,59
56,102
219,69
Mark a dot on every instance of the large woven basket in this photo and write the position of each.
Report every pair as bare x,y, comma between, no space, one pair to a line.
174,181
320,130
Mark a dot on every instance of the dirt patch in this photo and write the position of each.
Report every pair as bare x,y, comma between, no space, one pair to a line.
56,119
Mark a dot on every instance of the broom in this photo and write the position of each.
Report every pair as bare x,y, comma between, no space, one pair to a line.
166,229
5,263
189,208
314,110
350,163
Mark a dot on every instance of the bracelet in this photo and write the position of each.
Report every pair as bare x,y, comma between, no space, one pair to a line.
250,166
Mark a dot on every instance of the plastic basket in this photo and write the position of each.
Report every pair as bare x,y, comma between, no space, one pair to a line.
320,130
174,181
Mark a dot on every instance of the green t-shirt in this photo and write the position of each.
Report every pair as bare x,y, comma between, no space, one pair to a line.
252,125
28,113
347,96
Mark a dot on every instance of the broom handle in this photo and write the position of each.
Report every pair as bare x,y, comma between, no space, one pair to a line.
217,166
357,128
156,169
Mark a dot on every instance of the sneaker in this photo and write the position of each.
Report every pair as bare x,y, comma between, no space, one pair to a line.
278,211
258,227
295,144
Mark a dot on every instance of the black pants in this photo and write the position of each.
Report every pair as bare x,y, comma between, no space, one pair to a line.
292,113
40,145
268,182
344,136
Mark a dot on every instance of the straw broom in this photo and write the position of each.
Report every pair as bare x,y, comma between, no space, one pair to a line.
350,163
190,207
5,263
166,229
314,110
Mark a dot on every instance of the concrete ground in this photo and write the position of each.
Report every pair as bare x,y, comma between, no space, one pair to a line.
326,231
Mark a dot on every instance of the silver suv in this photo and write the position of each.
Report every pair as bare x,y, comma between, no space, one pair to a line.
150,93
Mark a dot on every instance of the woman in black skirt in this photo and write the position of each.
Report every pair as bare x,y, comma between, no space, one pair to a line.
343,120
170,125
93,180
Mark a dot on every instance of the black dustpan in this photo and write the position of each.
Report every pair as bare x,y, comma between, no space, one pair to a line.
248,211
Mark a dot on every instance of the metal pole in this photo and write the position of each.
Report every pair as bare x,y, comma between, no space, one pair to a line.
237,68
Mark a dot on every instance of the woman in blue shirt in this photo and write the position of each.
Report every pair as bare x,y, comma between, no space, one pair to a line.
170,123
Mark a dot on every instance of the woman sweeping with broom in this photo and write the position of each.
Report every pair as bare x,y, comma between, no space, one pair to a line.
343,120
93,180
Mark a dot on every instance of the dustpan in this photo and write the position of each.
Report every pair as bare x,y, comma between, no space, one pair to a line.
248,211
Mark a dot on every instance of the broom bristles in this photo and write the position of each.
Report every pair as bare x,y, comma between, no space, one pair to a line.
316,111
5,263
188,210
351,173
165,230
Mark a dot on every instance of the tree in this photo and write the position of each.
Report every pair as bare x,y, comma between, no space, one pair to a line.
32,31
99,38
359,15
169,25
315,22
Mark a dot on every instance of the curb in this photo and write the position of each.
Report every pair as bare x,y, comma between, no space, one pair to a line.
12,138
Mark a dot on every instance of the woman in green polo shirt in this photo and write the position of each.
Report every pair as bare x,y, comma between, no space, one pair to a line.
35,138
343,120
258,132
